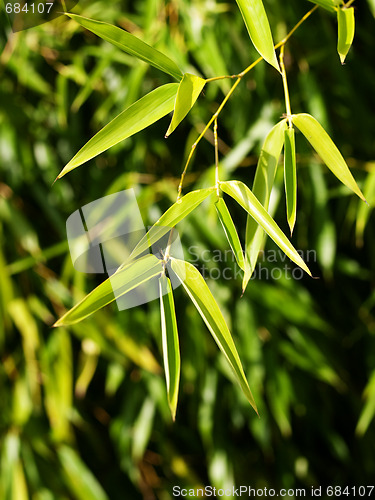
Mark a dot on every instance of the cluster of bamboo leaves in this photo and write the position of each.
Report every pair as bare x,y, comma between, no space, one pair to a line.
179,97
320,342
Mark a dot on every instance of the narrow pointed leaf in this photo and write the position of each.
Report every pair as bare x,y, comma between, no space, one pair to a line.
262,187
290,177
326,149
346,26
135,118
170,218
257,25
171,347
327,4
230,232
202,298
242,194
364,210
188,92
130,44
80,480
120,283
368,411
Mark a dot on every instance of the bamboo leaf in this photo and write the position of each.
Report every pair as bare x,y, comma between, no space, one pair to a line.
230,232
364,210
135,118
130,44
123,281
326,149
368,411
81,481
262,187
170,218
171,348
242,194
257,25
346,27
188,92
290,177
327,4
202,298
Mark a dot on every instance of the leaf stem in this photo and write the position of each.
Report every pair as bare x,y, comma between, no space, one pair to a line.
216,159
286,90
215,78
214,116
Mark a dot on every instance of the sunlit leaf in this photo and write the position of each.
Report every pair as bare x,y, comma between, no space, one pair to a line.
242,194
57,369
371,4
257,25
171,348
142,428
368,411
230,231
171,217
123,281
290,177
327,4
346,26
135,118
81,481
326,149
262,186
188,92
209,310
130,44
364,210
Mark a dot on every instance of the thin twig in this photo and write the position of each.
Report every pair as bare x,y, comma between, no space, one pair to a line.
216,159
286,90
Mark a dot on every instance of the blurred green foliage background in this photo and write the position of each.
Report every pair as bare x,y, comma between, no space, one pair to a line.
83,411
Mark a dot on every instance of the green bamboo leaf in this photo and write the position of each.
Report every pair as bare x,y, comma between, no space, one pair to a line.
123,281
262,186
326,149
364,210
371,4
171,348
346,26
257,25
330,5
230,232
202,298
170,218
368,411
81,481
135,118
290,177
242,194
130,44
19,487
188,92
327,4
